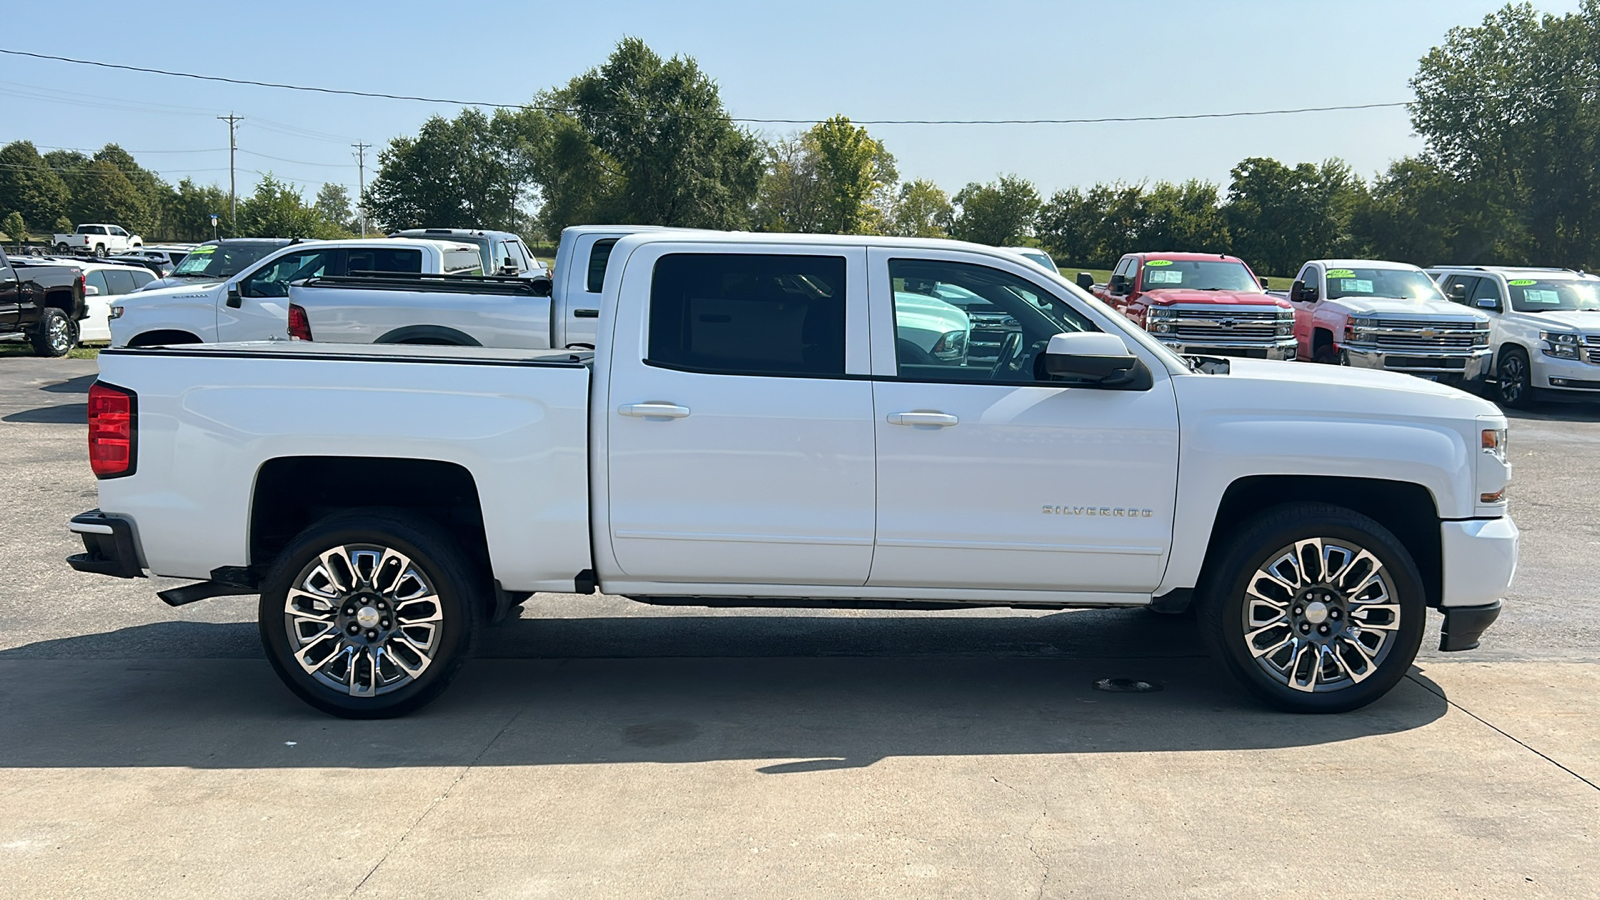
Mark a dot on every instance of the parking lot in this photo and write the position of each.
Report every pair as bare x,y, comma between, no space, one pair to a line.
600,748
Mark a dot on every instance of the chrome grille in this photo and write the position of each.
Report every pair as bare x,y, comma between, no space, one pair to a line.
1198,326
988,333
1593,346
1423,334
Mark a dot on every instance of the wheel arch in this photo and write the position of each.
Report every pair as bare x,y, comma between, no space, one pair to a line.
163,337
438,335
293,492
1408,510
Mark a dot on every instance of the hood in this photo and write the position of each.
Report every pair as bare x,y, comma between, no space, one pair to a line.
173,287
1293,387
1172,296
1586,321
1366,306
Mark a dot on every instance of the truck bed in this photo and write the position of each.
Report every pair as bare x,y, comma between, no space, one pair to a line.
210,416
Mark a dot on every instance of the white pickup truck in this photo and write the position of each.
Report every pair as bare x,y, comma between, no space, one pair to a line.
751,430
1375,314
1546,328
98,240
252,304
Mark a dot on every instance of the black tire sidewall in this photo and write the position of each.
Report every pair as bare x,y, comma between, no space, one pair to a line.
428,547
1526,395
1222,617
41,338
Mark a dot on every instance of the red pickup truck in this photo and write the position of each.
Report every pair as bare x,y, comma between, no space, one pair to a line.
1202,304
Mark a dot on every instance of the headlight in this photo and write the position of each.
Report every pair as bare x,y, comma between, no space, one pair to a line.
1160,312
1363,323
1560,344
951,345
116,313
1494,473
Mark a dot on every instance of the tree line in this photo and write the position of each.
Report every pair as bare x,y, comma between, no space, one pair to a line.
1509,111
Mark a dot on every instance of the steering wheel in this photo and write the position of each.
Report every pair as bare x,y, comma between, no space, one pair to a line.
1007,364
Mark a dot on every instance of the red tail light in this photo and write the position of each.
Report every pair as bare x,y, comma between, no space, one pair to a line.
299,323
113,430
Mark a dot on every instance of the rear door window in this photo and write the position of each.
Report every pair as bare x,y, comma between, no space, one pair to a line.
272,279
599,255
121,282
97,280
376,259
748,314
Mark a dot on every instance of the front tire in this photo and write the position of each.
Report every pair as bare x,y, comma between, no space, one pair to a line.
1314,608
370,615
56,334
1514,379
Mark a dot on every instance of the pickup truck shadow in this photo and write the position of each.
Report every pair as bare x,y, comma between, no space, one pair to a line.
68,414
789,694
79,385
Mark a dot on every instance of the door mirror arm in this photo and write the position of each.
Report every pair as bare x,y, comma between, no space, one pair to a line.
235,299
1096,360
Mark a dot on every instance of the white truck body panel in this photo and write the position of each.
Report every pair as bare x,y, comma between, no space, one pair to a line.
673,482
356,315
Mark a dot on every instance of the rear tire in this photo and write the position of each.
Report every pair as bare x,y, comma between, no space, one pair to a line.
370,614
63,250
100,250
1314,608
55,335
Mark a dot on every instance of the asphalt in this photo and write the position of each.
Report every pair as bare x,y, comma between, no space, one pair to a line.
601,748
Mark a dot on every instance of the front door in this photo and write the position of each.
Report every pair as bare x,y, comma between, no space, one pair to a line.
739,423
991,477
10,297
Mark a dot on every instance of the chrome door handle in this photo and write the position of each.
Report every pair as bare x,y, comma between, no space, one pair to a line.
653,410
935,419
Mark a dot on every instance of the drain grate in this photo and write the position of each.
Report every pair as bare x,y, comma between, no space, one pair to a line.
1127,686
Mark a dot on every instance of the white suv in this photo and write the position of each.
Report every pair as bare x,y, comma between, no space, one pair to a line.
1545,326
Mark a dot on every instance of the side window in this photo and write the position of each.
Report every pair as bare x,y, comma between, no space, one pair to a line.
599,255
141,278
958,322
748,314
524,259
1307,276
465,261
1487,289
97,280
373,259
272,279
121,282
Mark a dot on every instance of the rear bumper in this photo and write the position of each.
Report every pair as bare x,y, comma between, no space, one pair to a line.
1472,366
108,545
1286,349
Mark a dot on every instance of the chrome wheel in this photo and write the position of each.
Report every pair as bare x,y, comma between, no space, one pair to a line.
59,335
363,619
1320,615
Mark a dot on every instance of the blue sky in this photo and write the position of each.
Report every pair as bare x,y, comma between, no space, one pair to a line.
773,60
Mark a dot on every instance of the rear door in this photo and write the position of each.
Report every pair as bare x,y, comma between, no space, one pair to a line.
738,434
10,296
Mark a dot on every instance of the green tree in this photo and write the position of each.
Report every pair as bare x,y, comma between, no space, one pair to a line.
188,211
1509,110
277,209
16,229
921,209
997,213
151,188
29,186
453,174
102,193
1185,217
791,195
854,169
333,205
1279,217
639,140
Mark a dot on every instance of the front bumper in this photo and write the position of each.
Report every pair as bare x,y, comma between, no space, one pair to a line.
1574,376
1285,349
108,545
1473,366
1480,561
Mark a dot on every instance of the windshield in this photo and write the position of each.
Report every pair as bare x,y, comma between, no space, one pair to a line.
220,260
1199,275
1553,295
1390,284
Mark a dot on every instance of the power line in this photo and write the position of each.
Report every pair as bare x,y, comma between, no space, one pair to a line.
749,120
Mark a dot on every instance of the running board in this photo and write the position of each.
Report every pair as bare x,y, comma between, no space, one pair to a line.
204,590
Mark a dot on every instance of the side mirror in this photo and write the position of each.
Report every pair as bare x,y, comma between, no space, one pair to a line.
509,267
1304,293
1085,280
1487,303
1458,293
235,300
90,290
542,285
1118,284
1264,284
1095,359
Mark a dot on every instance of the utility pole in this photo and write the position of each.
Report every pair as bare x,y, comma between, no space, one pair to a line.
233,187
361,190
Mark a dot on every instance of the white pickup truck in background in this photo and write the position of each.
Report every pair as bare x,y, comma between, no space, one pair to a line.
752,430
253,303
97,240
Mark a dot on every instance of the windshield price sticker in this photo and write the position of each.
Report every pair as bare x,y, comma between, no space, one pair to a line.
1175,276
1522,282
1159,262
1541,298
1341,273
1355,285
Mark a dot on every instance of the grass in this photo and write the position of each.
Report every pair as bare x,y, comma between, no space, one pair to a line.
23,348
